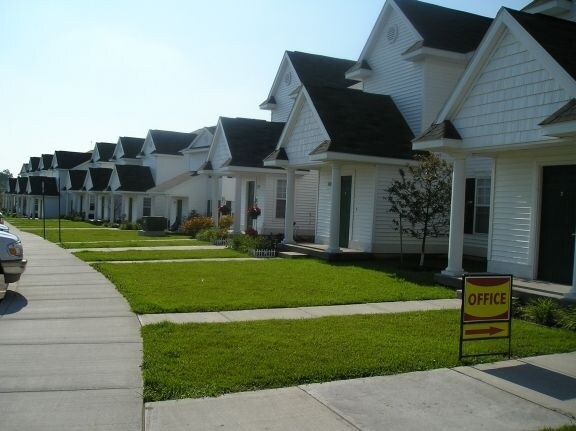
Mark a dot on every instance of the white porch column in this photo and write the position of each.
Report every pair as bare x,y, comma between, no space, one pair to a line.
456,240
571,294
334,240
215,199
237,226
289,211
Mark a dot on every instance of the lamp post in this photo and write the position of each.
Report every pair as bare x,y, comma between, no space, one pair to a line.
43,212
59,213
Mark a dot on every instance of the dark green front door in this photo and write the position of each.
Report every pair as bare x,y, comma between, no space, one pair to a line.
557,224
345,205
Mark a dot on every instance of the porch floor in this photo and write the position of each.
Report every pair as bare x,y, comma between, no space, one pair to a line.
520,287
320,251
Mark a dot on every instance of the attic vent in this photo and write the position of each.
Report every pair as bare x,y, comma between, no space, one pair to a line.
392,33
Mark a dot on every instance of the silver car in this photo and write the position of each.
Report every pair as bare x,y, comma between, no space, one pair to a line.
12,262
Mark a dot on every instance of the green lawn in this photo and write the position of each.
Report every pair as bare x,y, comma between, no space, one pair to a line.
111,256
31,224
215,286
107,237
198,360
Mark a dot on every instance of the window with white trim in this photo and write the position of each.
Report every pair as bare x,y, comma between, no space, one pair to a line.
477,205
146,207
280,198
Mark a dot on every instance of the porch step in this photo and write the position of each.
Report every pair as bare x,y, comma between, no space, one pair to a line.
292,255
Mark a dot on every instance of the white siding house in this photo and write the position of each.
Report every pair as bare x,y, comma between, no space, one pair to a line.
516,105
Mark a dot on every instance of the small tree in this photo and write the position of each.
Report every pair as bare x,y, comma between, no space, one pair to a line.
421,200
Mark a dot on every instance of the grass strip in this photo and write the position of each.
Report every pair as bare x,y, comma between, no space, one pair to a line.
25,223
143,255
198,360
215,286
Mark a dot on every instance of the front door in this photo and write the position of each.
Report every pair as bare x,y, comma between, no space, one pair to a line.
345,205
250,200
557,224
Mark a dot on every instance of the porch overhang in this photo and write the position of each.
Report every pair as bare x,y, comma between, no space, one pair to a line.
331,156
560,130
437,145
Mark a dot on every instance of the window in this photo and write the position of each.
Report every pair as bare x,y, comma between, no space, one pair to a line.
147,207
482,205
477,205
280,198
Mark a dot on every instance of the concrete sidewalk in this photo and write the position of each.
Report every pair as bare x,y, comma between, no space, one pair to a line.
302,312
70,349
520,395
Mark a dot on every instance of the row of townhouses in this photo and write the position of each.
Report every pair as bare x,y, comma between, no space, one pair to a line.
497,97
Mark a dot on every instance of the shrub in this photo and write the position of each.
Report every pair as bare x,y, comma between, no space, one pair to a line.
212,234
543,311
129,226
568,318
195,224
245,243
226,221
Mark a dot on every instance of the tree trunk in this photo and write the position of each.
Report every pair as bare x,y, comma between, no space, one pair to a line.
401,242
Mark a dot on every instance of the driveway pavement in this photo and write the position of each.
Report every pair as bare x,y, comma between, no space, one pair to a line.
70,349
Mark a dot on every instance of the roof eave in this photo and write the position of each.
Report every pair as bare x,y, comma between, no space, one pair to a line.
358,74
425,52
437,144
560,130
332,156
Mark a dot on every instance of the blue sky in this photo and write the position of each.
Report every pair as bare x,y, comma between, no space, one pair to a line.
75,72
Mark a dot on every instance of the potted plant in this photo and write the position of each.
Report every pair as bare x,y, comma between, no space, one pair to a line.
254,212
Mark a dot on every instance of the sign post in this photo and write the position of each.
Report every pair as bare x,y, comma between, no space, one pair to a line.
486,310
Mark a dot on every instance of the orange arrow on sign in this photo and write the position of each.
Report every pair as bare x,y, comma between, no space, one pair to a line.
489,331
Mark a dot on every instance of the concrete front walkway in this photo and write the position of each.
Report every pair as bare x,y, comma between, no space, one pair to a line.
70,349
518,395
302,312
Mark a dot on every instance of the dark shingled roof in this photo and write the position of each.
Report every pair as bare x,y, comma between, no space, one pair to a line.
50,186
167,142
249,140
321,71
557,36
12,185
47,160
130,146
134,178
443,130
361,123
77,178
444,28
33,164
279,154
22,184
71,159
565,113
105,150
100,178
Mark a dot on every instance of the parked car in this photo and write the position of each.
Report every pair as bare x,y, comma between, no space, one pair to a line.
4,228
12,262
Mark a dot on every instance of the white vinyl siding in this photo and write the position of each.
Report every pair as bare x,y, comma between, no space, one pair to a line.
221,153
306,190
395,76
324,205
284,101
440,78
305,135
363,179
516,212
512,94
